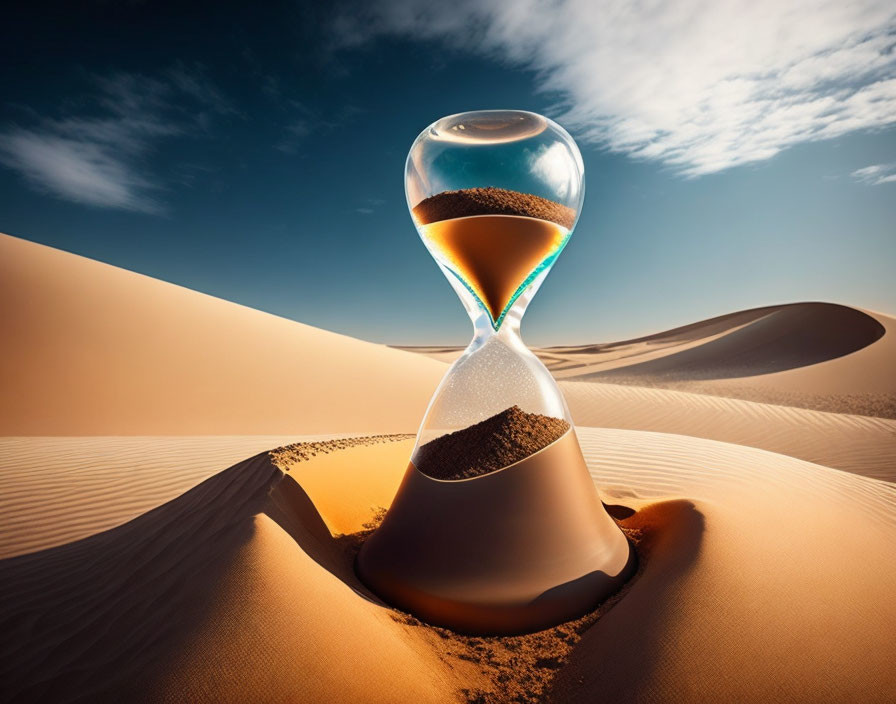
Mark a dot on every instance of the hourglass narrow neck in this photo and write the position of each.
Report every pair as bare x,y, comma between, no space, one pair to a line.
484,331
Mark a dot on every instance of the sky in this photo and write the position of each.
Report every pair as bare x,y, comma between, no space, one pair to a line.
737,153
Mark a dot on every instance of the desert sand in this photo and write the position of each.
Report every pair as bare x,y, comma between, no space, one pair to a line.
820,356
91,349
144,557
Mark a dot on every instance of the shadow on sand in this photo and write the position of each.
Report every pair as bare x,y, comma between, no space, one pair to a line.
87,620
614,657
90,620
782,338
98,619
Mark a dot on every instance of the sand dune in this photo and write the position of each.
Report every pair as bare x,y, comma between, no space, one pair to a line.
790,359
811,355
764,578
91,349
87,340
787,598
137,570
124,614
820,356
857,444
748,343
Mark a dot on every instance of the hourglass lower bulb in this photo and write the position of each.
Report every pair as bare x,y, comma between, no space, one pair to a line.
497,526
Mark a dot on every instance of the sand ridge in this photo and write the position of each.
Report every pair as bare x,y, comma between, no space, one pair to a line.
91,349
819,356
58,490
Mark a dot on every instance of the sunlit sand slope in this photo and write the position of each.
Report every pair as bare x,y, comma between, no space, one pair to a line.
858,444
91,349
765,578
209,598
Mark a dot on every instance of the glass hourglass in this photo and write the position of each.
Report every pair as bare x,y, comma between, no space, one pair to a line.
497,526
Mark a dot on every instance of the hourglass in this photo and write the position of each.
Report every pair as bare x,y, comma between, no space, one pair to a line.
497,526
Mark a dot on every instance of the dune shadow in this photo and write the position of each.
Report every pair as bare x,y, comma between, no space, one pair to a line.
98,618
618,511
613,657
90,620
789,337
294,511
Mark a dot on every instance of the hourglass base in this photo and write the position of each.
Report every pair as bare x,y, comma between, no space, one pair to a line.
514,551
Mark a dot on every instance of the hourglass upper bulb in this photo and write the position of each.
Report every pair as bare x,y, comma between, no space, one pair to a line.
495,195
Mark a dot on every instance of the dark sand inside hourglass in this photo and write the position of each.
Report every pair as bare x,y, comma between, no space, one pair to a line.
497,442
493,239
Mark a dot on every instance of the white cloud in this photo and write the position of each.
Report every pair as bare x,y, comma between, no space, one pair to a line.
98,158
555,166
876,175
79,170
371,206
700,85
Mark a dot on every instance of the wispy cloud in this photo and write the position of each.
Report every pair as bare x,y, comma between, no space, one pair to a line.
370,207
98,158
295,133
876,175
193,82
304,120
79,170
700,85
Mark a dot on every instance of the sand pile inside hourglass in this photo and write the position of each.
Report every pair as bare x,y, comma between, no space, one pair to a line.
496,241
497,442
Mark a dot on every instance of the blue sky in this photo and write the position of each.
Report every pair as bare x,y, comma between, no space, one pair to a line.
737,154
